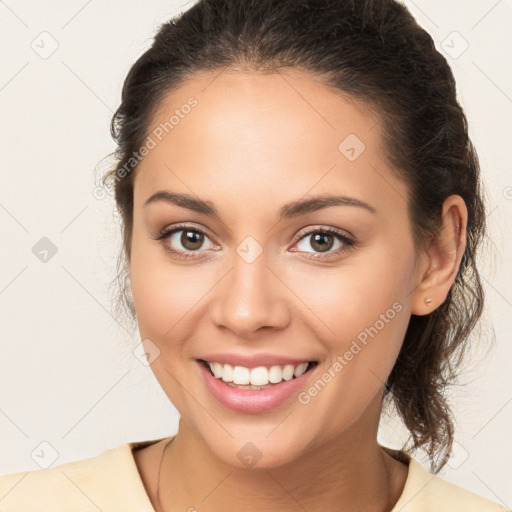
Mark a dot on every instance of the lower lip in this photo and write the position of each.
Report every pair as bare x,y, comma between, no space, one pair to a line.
252,401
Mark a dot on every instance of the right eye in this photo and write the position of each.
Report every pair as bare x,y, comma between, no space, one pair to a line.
189,237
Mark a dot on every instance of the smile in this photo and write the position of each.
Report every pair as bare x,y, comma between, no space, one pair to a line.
257,389
259,377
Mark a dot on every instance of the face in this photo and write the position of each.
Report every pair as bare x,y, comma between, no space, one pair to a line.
245,277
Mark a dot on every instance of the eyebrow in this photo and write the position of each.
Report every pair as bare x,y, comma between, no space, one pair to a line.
288,211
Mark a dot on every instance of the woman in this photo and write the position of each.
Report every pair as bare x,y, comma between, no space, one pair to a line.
301,214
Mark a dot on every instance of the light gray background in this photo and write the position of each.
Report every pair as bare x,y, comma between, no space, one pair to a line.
68,373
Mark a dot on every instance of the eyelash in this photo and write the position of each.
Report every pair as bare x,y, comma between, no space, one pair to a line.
348,243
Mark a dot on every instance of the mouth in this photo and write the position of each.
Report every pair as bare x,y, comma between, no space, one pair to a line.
259,377
255,389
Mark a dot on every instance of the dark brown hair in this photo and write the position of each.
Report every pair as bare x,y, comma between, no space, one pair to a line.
375,51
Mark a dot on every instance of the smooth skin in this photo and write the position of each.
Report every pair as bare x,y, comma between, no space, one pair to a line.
252,144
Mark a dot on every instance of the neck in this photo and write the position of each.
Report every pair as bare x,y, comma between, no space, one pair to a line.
351,470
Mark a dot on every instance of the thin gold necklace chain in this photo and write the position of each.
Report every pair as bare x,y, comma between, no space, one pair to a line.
159,503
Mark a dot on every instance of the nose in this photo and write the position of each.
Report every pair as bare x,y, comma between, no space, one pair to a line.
250,298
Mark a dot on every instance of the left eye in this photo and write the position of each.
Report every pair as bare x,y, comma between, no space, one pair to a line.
322,241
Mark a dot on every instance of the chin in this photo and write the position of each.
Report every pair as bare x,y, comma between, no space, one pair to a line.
258,451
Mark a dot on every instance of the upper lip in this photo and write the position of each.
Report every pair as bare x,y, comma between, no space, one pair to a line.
253,361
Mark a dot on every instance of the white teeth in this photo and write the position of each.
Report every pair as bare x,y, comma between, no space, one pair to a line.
288,372
216,369
259,376
275,374
255,377
227,373
240,375
300,369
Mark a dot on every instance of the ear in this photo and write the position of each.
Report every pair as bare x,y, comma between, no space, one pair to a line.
441,259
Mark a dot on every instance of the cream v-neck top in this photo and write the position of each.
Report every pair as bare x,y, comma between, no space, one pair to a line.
111,482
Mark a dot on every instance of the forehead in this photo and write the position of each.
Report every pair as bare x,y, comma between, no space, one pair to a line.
255,138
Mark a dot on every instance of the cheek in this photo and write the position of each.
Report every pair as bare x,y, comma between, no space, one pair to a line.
352,296
364,306
167,296
159,295
383,312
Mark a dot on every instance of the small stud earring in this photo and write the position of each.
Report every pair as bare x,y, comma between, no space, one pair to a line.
428,300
